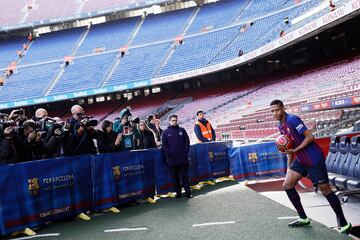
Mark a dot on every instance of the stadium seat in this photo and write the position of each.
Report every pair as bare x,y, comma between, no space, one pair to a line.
333,152
341,158
348,170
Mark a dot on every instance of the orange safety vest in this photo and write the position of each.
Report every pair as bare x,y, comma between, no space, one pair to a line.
205,130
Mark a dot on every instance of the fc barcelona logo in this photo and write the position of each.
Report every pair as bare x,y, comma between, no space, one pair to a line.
211,156
253,157
116,172
33,186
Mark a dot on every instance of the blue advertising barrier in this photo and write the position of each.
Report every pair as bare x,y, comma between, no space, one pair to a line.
257,160
122,178
214,159
206,161
33,193
164,181
193,171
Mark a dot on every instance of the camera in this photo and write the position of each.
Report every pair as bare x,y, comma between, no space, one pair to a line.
88,121
48,124
133,120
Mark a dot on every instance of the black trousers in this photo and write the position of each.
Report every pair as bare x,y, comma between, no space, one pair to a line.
181,173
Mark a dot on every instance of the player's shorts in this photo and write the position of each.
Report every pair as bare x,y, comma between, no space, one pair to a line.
318,172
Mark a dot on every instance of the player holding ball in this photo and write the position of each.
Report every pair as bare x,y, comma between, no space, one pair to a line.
309,160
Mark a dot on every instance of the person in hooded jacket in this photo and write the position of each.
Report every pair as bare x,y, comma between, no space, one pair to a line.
108,141
176,145
146,138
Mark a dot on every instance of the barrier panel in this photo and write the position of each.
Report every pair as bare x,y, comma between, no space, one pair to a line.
257,160
33,193
164,181
122,177
213,160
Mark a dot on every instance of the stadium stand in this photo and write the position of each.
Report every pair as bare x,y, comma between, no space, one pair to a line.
43,9
163,26
84,73
108,36
52,46
138,64
209,17
19,84
11,11
8,50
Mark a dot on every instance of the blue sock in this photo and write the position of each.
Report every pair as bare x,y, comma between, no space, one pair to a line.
295,200
336,206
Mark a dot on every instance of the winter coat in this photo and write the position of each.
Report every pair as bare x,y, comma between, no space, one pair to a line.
176,145
146,140
106,142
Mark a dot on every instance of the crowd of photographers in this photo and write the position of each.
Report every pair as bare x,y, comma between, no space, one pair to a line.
43,136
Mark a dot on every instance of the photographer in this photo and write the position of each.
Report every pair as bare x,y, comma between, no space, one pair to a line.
108,141
55,134
82,132
8,142
18,116
31,144
123,125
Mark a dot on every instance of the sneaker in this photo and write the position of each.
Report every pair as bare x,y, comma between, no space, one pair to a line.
346,229
300,223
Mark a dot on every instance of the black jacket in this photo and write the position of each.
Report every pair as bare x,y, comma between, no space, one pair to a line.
28,151
176,146
106,142
146,140
8,151
80,144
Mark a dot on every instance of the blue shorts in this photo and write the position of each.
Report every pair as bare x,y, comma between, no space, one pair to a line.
318,172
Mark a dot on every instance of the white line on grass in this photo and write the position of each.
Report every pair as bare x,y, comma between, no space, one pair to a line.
290,217
126,229
38,236
212,223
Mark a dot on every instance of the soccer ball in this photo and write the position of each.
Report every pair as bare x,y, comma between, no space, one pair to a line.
283,143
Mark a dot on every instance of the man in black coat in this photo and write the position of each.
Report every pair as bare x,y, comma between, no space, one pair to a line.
176,145
81,136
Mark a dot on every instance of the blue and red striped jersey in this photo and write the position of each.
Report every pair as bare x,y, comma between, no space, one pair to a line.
295,127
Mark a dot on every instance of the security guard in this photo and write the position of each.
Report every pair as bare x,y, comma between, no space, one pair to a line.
203,130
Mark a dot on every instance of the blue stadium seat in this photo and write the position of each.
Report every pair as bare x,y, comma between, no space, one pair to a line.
333,152
37,77
8,50
353,180
164,26
108,36
340,160
84,73
52,46
347,171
